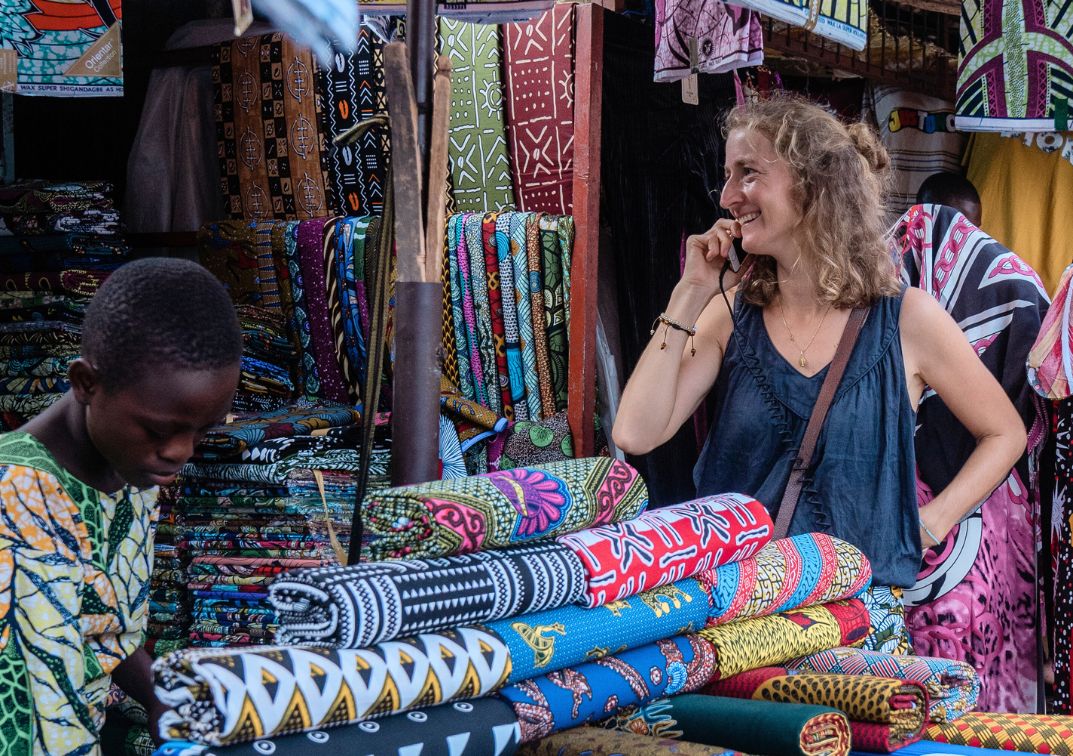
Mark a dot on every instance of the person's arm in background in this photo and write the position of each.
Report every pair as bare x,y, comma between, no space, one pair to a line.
938,354
668,384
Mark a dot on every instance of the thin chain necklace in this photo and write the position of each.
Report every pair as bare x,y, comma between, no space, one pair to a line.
802,360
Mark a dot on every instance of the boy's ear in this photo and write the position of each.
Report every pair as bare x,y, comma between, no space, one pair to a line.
84,379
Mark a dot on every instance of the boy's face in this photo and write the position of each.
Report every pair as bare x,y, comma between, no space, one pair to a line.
148,429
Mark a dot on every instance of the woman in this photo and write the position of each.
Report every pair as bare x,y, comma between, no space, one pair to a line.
805,193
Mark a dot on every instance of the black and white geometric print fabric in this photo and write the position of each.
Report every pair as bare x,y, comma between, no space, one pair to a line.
355,606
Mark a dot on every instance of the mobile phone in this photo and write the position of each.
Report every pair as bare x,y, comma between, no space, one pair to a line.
736,255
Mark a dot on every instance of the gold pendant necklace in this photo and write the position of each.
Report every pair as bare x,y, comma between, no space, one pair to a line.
802,360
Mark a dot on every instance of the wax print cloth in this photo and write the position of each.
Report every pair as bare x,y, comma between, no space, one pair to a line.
698,37
311,254
844,21
353,88
467,294
356,606
535,262
461,305
472,11
1061,550
783,729
539,68
495,510
953,686
478,282
811,568
1028,733
1006,82
486,727
350,243
552,640
537,442
931,748
517,225
594,691
512,345
884,714
447,322
477,145
63,49
982,577
662,546
496,307
76,564
225,696
556,307
239,254
272,150
232,438
1050,363
593,741
289,267
769,641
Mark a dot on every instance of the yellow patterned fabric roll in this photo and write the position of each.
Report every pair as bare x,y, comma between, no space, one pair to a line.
590,741
1028,733
769,641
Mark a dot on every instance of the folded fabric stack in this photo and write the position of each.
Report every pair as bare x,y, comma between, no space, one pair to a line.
507,310
265,493
169,609
555,591
39,207
268,362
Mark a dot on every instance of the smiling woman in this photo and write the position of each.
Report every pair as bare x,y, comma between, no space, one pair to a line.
805,192
160,361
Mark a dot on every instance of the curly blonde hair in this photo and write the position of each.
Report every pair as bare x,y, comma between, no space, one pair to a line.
841,173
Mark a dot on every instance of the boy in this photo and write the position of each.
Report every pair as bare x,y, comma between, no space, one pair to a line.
161,349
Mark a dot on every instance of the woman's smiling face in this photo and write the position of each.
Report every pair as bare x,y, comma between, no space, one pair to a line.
759,192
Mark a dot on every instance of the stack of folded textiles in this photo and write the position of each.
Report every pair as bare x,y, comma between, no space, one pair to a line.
532,601
40,207
43,296
249,506
268,360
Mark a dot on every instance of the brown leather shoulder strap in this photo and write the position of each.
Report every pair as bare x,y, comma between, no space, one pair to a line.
815,421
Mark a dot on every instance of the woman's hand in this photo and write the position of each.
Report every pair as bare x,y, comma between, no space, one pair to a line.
932,526
705,255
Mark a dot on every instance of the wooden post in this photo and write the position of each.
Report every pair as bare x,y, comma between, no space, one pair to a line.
436,217
588,111
419,303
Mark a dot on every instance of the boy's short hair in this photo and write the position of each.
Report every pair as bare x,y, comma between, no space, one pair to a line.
947,188
159,312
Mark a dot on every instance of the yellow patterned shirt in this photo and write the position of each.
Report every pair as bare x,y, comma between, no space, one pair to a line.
74,593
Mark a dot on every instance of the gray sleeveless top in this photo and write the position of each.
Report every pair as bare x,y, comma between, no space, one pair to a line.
861,486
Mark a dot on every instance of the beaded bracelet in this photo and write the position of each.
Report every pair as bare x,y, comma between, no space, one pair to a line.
670,323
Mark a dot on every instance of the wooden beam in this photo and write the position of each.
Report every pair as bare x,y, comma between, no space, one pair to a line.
436,217
588,111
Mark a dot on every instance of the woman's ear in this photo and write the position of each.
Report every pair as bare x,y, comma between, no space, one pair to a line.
84,379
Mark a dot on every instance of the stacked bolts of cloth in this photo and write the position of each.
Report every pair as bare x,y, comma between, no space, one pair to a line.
530,601
250,506
53,257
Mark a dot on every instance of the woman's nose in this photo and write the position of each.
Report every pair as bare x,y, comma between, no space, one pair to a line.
729,195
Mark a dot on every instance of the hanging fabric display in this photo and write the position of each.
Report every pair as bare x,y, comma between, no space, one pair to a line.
61,49
354,92
697,37
1006,83
480,166
274,166
539,66
844,21
982,576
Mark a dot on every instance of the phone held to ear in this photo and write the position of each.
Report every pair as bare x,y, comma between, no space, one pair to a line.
736,255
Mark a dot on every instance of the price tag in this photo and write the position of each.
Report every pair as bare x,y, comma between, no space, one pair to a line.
9,70
691,90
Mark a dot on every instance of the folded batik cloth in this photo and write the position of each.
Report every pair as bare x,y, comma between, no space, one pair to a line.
486,727
235,695
666,545
233,437
502,508
1050,363
537,442
953,686
558,638
931,748
594,741
884,713
355,606
812,568
1028,733
752,726
770,641
278,472
251,566
594,691
456,407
